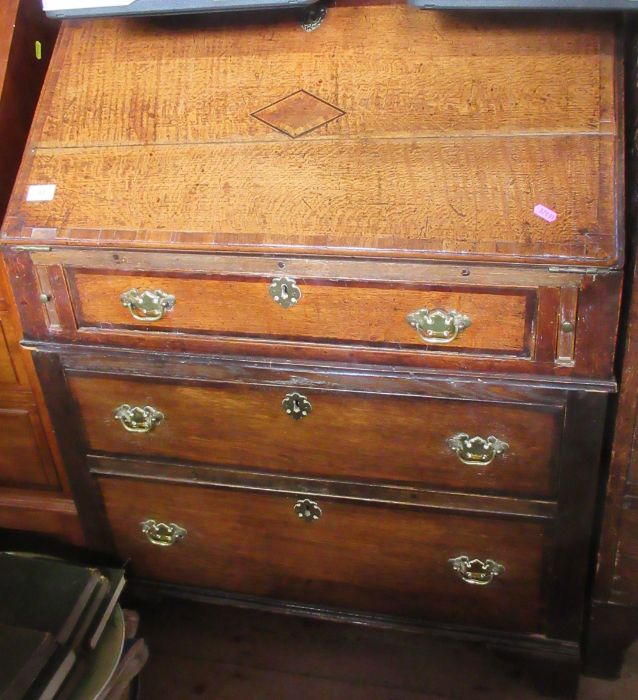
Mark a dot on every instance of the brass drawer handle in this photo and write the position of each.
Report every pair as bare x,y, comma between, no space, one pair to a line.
475,571
476,451
162,534
147,305
296,405
307,510
438,326
138,419
284,291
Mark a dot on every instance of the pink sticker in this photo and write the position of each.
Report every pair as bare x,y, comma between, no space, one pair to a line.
545,213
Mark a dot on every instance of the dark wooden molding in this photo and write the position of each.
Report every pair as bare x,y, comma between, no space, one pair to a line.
611,630
67,425
209,475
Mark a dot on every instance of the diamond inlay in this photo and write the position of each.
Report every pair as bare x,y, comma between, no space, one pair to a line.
298,114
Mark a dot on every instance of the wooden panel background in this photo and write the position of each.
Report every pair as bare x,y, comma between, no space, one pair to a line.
25,459
8,373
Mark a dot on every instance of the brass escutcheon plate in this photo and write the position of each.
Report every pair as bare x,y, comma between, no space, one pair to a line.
307,510
296,405
285,292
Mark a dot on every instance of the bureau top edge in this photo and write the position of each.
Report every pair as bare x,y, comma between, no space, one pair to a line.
100,240
307,265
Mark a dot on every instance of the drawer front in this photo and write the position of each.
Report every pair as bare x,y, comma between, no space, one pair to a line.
331,433
484,321
340,554
392,313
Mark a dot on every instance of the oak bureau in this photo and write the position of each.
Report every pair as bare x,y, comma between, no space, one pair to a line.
325,307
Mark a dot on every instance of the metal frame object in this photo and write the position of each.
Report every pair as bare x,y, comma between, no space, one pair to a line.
69,9
525,4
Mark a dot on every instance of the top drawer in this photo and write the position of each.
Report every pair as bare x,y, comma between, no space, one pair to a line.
419,314
475,320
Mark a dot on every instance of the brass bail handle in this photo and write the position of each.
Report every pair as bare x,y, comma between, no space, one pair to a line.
476,451
138,419
438,326
476,572
147,305
162,534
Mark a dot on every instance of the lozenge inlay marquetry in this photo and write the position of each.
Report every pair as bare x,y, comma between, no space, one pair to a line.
298,114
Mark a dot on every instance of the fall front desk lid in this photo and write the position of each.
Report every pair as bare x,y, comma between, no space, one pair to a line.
386,131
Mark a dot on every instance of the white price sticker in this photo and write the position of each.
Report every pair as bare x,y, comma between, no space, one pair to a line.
40,193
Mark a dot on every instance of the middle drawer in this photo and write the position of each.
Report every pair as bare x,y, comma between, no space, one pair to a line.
338,433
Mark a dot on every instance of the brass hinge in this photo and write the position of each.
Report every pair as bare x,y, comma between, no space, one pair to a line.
34,248
583,270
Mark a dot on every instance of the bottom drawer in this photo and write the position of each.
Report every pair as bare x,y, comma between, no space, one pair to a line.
349,555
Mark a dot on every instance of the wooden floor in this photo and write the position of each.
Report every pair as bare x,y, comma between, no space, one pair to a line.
208,652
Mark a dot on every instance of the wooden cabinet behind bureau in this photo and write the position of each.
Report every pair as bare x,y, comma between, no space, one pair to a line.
613,622
34,493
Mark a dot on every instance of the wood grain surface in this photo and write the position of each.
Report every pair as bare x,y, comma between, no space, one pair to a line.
339,313
616,581
627,555
361,557
436,196
25,457
394,71
8,373
351,309
39,511
417,134
370,437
